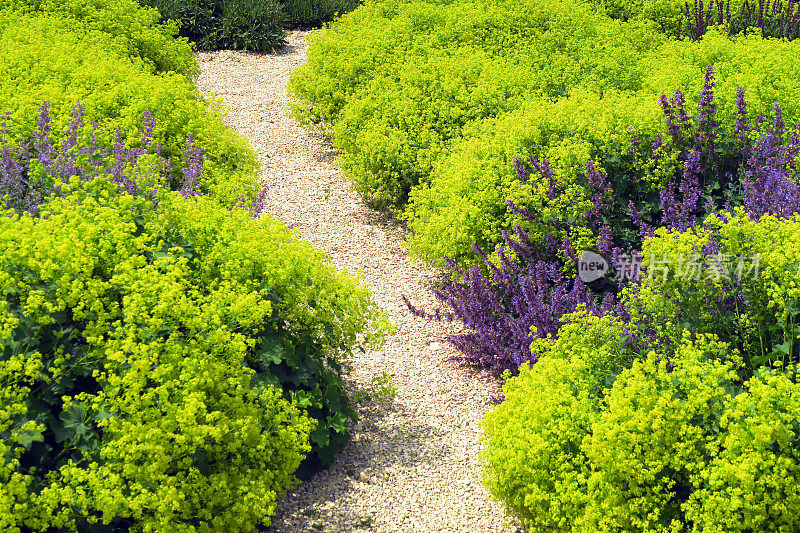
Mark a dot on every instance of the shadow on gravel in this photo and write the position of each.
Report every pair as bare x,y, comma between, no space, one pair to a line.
386,439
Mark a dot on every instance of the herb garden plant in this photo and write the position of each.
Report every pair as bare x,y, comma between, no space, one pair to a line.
170,359
659,128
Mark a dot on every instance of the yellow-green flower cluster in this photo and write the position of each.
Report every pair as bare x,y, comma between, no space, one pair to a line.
685,418
128,338
587,440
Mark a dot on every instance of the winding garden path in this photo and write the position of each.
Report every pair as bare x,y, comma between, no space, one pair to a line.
412,464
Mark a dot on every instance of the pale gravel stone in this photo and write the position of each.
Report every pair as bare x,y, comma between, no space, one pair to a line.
412,464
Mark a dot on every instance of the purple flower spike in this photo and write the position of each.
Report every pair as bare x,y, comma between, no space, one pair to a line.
707,126
193,167
521,172
260,201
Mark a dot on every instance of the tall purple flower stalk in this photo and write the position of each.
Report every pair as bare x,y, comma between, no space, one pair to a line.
30,172
770,184
772,18
525,289
193,157
525,292
260,202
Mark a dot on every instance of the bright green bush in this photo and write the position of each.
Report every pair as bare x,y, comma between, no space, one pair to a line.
45,57
744,289
533,462
413,75
667,14
253,25
469,187
135,30
140,351
750,483
429,108
672,442
649,445
685,417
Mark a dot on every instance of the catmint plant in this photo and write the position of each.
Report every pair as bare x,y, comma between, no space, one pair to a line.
773,19
528,288
33,169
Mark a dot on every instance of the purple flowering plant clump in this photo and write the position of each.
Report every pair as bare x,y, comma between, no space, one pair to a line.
772,17
530,286
38,166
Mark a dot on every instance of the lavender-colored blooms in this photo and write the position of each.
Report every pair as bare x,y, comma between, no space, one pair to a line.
260,201
522,172
502,303
636,217
678,122
770,184
601,188
526,286
41,137
707,125
193,159
771,18
742,125
80,155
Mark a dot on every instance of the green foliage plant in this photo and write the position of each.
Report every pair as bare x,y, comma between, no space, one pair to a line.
48,57
429,108
466,199
533,461
599,437
742,288
136,30
165,366
414,75
252,25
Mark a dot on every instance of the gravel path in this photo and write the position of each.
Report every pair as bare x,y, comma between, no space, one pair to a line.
412,464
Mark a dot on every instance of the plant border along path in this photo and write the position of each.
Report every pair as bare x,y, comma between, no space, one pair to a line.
412,464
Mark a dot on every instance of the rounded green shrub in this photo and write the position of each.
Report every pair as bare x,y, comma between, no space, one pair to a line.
735,278
649,444
466,200
143,349
594,437
533,460
684,417
46,57
135,30
413,76
750,483
429,109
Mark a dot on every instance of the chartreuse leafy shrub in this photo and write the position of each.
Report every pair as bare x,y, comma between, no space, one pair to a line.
253,25
734,277
413,75
467,199
45,57
135,29
598,437
699,168
533,461
144,349
435,117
